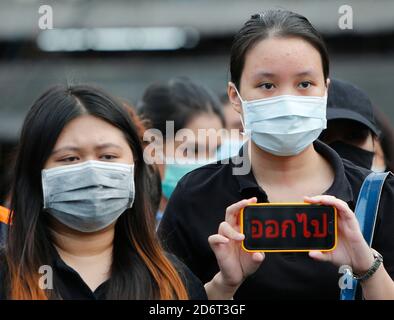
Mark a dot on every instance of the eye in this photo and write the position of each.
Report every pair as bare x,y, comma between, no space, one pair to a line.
108,157
70,159
267,86
304,85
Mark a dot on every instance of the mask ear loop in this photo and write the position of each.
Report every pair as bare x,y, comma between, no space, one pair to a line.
247,132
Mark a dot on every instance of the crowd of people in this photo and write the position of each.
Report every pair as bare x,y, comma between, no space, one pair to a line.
143,202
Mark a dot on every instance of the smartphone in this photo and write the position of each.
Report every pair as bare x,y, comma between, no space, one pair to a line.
288,227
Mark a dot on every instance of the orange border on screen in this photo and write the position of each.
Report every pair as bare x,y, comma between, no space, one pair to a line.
286,204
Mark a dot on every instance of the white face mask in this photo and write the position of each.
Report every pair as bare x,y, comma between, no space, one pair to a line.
284,125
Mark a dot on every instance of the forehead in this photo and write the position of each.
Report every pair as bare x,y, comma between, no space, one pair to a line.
88,129
204,121
282,55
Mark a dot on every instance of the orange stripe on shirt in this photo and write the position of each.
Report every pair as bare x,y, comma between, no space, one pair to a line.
4,215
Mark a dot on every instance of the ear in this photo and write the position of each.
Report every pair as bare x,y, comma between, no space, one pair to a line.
233,97
328,81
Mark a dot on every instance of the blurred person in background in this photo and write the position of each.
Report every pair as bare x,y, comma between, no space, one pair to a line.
352,130
153,173
235,138
187,105
232,117
385,149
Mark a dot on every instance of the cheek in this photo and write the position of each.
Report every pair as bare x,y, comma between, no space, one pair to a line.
321,90
50,163
316,91
130,157
127,155
367,145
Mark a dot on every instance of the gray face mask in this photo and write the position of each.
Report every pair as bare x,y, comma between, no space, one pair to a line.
88,196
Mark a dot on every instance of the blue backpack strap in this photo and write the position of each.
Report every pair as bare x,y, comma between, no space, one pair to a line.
366,212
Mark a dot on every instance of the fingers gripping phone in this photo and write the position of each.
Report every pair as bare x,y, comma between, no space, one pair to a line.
288,227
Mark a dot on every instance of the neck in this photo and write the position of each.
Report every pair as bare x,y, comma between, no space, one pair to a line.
288,171
163,204
72,243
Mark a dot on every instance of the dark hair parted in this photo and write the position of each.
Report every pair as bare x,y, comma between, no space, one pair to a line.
273,23
178,100
140,268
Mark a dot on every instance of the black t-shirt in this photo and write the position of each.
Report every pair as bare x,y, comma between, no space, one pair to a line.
198,204
3,230
70,286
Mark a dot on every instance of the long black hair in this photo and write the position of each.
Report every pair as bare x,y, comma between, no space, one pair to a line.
140,269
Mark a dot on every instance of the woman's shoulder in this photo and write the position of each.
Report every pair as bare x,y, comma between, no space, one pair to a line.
194,286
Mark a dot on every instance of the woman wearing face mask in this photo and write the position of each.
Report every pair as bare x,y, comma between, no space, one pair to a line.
279,78
171,109
81,212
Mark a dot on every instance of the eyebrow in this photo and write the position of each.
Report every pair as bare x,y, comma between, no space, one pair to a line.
272,75
67,148
305,73
264,74
108,145
71,148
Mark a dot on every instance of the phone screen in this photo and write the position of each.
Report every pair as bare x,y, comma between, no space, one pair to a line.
289,227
